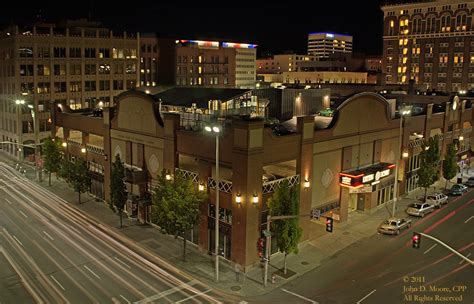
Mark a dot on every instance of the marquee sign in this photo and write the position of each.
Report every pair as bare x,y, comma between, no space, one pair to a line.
366,176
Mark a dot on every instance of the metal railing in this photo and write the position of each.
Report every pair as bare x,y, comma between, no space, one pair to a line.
95,149
193,176
268,187
224,185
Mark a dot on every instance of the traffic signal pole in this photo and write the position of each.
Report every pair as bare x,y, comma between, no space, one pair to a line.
448,247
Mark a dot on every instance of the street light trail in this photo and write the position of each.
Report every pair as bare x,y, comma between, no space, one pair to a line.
72,227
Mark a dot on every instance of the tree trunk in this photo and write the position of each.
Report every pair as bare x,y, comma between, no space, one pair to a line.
184,247
79,192
49,182
426,190
120,214
284,265
446,185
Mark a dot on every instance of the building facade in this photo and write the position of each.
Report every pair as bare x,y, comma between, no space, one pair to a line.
323,45
76,63
431,43
282,63
344,165
215,64
324,77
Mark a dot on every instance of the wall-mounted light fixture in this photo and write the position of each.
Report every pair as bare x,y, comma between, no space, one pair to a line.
255,198
461,137
168,176
238,198
306,184
201,187
405,154
83,150
64,144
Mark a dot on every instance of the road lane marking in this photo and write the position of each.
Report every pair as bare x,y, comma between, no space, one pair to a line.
57,282
8,201
193,296
427,250
166,292
90,270
18,240
299,296
360,301
123,262
50,237
22,213
126,300
462,260
468,219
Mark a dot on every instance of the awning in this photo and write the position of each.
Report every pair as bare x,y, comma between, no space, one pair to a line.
368,175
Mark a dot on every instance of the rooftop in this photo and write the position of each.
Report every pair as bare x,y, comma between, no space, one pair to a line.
185,97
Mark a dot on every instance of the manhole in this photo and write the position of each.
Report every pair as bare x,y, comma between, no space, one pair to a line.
304,263
236,288
346,233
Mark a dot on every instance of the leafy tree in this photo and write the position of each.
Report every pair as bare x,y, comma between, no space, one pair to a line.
81,181
450,167
429,164
52,155
118,190
285,201
66,170
176,206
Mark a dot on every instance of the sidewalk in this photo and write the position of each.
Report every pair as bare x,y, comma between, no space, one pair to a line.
199,264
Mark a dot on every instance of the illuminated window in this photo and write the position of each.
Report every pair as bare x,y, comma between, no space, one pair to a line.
399,69
405,41
418,51
404,60
406,32
404,69
472,59
402,23
200,58
199,80
200,69
401,42
406,22
392,24
404,78
405,51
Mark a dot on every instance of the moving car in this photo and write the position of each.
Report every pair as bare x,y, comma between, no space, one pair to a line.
328,112
437,199
394,225
458,189
470,182
419,209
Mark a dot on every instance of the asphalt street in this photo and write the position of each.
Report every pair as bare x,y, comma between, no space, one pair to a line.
52,253
386,269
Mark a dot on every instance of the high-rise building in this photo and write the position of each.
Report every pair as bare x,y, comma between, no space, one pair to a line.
215,64
324,45
77,63
431,43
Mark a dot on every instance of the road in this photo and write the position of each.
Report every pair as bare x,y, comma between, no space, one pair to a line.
52,253
386,269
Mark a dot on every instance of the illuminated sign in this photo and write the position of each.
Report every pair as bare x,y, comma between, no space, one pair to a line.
367,178
329,35
238,45
346,180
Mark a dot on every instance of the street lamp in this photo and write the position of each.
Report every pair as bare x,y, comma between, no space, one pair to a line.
216,130
403,112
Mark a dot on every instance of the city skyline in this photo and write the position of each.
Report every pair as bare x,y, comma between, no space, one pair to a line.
265,25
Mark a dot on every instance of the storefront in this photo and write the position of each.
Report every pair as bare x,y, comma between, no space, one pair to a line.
368,187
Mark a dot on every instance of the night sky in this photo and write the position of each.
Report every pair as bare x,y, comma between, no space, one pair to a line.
274,27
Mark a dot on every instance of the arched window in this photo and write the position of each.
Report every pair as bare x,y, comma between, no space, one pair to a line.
461,22
445,23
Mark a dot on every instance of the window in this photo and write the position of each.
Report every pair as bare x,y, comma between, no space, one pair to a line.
59,87
89,52
89,69
104,53
130,68
75,52
75,69
104,85
130,84
43,52
26,70
104,68
42,70
43,88
25,51
130,53
26,88
118,68
59,52
59,69
75,86
117,53
90,86
118,85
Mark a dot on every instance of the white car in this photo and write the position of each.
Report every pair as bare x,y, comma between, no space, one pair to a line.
437,199
419,209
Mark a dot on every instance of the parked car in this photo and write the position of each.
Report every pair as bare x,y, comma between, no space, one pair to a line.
419,209
470,182
458,189
394,225
328,112
437,199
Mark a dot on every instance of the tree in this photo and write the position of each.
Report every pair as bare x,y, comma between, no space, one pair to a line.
285,201
429,164
81,181
52,155
176,206
66,170
118,190
450,167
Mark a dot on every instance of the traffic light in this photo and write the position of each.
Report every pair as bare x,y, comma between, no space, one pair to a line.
329,224
261,247
416,240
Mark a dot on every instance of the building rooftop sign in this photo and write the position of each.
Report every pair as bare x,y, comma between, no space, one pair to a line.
238,45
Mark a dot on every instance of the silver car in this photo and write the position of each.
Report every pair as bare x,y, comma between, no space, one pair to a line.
394,225
437,199
420,209
470,182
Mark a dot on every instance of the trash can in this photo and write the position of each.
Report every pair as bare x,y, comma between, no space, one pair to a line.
459,180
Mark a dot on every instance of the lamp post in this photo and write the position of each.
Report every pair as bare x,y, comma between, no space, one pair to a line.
216,130
403,111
